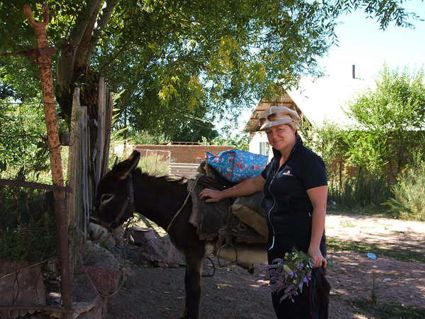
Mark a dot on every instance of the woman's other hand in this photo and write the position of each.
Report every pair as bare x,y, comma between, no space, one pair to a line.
211,195
317,257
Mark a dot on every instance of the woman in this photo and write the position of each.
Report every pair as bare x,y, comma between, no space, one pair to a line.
295,196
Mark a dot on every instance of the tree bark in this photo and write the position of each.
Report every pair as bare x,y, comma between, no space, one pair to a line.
75,54
44,62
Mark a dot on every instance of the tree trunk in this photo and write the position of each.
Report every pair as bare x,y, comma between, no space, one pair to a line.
73,63
44,63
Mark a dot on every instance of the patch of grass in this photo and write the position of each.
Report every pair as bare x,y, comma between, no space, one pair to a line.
362,247
390,310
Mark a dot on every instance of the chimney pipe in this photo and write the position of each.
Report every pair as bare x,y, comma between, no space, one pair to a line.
353,71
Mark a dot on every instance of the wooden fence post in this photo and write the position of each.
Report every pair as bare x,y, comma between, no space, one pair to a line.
104,123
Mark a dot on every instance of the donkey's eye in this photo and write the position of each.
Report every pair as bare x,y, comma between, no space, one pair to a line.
105,198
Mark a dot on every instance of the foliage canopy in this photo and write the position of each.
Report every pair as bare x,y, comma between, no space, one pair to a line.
379,153
175,62
391,123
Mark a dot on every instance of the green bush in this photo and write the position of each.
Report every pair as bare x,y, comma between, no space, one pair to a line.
361,191
408,200
27,226
388,132
23,147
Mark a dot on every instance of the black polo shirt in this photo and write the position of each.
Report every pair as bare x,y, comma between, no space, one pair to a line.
286,202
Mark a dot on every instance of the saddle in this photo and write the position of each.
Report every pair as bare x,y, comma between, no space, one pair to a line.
230,221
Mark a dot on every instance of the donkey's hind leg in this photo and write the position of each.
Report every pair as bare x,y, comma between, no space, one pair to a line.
193,281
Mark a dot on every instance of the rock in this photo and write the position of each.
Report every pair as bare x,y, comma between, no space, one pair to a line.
102,268
153,248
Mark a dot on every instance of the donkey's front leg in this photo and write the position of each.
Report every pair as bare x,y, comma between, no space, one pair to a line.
193,285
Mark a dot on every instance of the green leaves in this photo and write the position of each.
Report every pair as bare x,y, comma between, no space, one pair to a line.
208,59
23,149
391,122
365,160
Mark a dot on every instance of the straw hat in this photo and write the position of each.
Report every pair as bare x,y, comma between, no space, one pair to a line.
277,115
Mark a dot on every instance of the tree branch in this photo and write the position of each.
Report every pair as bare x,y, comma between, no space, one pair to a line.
30,18
66,63
91,39
103,20
84,18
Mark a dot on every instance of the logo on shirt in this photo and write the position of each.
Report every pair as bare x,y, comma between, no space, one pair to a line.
287,173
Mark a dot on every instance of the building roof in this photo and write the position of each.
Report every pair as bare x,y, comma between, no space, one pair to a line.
318,101
283,100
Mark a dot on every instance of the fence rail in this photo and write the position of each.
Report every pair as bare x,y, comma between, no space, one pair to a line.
188,170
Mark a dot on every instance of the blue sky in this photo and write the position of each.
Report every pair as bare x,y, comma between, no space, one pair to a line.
363,44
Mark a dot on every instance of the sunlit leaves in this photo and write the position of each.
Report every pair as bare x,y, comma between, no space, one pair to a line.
391,122
200,58
23,148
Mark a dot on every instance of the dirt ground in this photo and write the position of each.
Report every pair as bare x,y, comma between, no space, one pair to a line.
158,293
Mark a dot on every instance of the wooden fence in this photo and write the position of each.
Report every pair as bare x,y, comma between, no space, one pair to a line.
188,170
86,165
83,173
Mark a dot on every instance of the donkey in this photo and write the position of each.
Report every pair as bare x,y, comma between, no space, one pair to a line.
125,189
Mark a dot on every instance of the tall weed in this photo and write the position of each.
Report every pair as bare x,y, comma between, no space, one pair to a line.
360,191
408,201
27,225
154,165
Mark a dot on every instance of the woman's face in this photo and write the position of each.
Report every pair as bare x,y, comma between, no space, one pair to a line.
281,136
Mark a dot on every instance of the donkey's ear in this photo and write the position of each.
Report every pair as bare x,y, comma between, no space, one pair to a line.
125,168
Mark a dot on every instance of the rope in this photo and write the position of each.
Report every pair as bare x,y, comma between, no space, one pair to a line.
121,284
103,295
190,188
178,212
218,254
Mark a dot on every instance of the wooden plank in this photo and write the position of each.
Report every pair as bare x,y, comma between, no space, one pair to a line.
100,142
108,129
86,190
72,174
188,170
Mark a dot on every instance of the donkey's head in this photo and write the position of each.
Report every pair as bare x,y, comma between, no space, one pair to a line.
114,202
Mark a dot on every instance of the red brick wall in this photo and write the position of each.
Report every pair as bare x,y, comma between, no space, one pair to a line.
184,153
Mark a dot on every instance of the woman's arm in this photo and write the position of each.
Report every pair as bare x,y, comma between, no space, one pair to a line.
318,197
244,188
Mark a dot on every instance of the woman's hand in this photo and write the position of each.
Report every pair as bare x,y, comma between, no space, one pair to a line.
317,257
211,195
